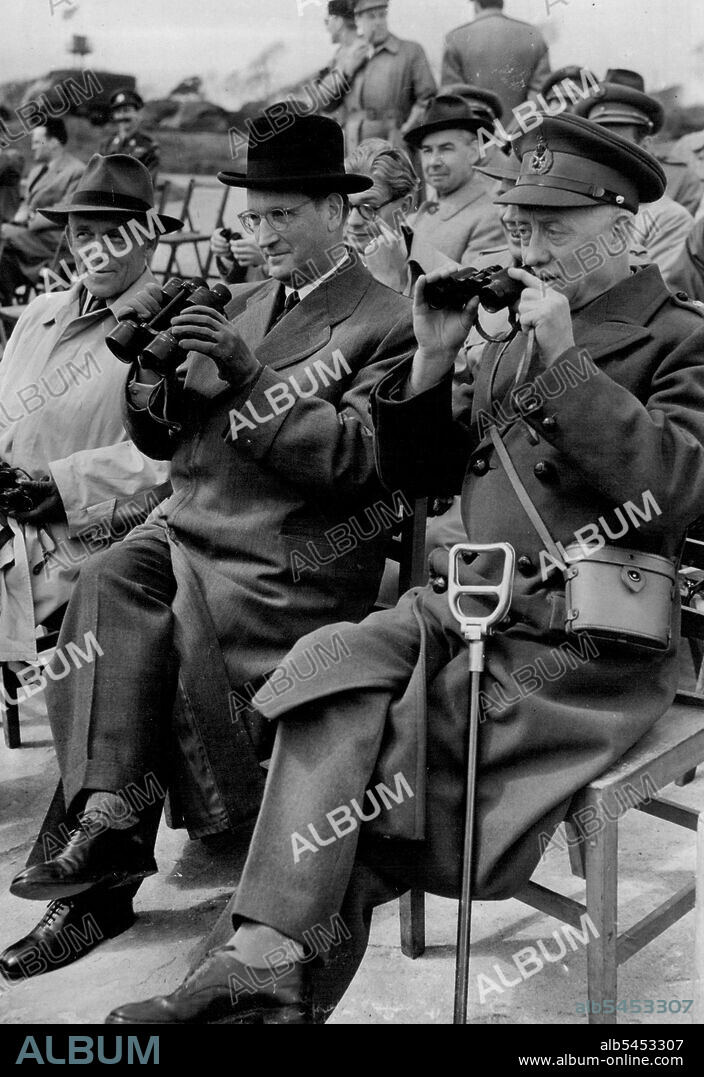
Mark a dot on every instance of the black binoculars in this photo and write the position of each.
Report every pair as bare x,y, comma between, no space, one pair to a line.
151,342
228,235
495,289
15,495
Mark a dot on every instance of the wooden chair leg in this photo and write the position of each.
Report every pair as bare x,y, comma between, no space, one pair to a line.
412,910
575,849
10,707
601,861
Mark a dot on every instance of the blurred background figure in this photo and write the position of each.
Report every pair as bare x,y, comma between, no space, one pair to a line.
30,240
349,57
463,221
390,91
555,91
237,257
126,115
503,55
661,228
11,168
377,226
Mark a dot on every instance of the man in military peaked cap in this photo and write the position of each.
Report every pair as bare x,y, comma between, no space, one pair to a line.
599,402
126,107
661,230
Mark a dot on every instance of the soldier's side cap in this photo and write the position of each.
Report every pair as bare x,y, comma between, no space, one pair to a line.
343,8
450,111
367,5
615,103
125,98
569,162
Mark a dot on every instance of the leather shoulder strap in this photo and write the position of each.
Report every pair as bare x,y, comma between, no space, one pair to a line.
523,495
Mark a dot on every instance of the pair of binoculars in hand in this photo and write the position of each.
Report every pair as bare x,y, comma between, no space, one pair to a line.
151,342
492,286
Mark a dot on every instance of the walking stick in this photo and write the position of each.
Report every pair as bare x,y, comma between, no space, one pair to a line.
474,630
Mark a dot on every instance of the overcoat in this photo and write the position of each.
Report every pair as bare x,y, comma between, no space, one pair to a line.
618,419
277,523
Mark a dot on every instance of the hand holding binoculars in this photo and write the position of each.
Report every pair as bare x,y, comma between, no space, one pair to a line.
492,286
150,341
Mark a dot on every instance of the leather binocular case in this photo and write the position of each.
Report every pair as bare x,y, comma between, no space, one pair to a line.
619,595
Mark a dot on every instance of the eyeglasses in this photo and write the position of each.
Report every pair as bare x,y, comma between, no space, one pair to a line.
279,218
368,212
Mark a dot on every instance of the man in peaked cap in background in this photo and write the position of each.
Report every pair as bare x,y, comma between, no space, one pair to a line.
268,430
661,229
392,85
608,405
462,221
126,108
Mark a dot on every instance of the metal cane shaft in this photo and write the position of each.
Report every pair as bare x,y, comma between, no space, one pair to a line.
464,923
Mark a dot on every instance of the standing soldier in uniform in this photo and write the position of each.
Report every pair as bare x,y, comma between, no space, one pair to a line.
126,113
390,90
602,407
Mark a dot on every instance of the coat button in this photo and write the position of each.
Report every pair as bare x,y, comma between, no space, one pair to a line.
543,470
525,566
549,422
438,584
480,466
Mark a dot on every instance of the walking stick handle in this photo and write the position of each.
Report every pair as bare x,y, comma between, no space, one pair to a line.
475,627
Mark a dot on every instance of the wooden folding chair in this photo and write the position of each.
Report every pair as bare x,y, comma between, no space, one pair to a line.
11,685
197,239
668,753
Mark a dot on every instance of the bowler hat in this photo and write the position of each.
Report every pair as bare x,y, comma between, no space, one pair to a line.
122,98
289,152
367,5
569,162
447,111
617,103
116,185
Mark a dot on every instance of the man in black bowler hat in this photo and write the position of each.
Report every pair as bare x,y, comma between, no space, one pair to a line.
126,109
267,426
596,403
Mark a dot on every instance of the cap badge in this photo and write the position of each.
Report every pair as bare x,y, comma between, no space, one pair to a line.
542,159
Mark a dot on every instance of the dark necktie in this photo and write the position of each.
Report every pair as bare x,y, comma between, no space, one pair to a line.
292,300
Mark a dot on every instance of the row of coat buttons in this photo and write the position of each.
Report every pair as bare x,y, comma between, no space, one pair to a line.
542,470
524,565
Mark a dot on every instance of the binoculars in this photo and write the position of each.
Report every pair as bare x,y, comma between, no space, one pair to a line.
229,235
151,342
495,289
15,496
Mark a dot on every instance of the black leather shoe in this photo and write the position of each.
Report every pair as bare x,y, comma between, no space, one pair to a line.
68,930
224,991
111,858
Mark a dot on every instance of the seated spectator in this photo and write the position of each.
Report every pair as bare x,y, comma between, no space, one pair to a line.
61,417
660,230
237,257
463,221
11,168
377,226
687,273
126,111
272,529
30,240
684,184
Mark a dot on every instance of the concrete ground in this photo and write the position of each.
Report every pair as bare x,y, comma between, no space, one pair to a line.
177,907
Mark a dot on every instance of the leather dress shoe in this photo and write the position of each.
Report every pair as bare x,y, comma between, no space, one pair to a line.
110,857
222,990
68,930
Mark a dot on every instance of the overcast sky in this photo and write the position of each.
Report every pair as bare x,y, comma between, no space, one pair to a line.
163,41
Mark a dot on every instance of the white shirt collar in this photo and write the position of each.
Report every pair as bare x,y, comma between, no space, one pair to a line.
306,289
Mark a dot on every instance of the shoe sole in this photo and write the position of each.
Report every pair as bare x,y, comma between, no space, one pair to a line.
280,1015
54,891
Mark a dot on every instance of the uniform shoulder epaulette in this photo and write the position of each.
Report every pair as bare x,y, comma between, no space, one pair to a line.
681,299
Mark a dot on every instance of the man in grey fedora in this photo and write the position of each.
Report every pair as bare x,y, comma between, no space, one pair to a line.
268,430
